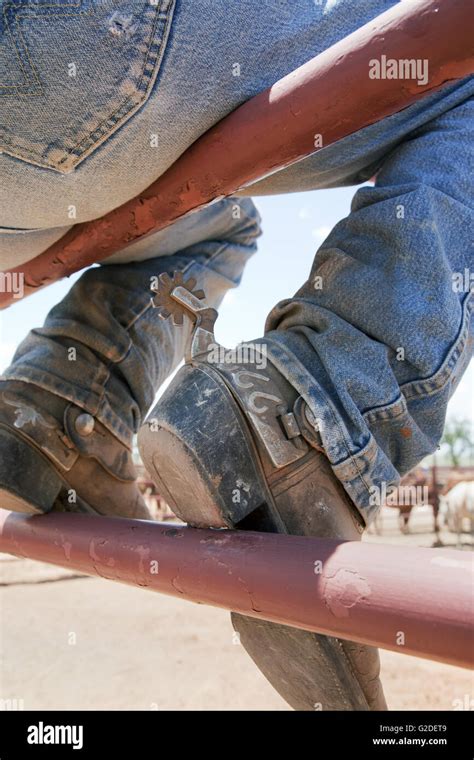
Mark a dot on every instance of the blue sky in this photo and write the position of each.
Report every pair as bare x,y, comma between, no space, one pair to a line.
294,226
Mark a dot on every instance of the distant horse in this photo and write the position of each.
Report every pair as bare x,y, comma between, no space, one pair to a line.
457,505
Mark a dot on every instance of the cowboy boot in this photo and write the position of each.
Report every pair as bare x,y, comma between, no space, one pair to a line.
232,444
53,455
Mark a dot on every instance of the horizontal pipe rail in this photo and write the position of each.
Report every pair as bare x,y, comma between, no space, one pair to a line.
326,99
410,600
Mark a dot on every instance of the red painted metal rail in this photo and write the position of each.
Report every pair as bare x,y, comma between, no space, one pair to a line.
414,601
330,96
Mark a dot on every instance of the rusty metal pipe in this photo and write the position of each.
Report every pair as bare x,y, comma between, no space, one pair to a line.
410,600
331,95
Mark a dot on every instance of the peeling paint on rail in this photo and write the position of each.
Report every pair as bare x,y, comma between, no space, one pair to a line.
365,592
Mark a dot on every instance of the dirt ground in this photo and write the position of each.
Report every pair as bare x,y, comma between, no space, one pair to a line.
84,643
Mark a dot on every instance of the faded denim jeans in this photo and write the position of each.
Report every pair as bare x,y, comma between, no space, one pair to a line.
98,99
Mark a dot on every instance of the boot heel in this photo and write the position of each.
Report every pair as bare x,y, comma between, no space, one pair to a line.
196,446
28,482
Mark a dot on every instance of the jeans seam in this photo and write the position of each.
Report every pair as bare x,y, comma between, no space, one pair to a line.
354,458
439,379
133,321
387,412
420,388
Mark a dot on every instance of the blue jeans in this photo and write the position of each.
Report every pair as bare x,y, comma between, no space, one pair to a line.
99,99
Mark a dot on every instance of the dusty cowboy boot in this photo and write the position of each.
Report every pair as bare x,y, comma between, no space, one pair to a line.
53,455
231,444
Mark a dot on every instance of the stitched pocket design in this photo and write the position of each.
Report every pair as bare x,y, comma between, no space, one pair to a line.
73,71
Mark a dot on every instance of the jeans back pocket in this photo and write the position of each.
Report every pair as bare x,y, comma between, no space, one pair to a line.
72,72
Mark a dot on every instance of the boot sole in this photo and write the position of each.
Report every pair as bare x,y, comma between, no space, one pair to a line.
181,456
